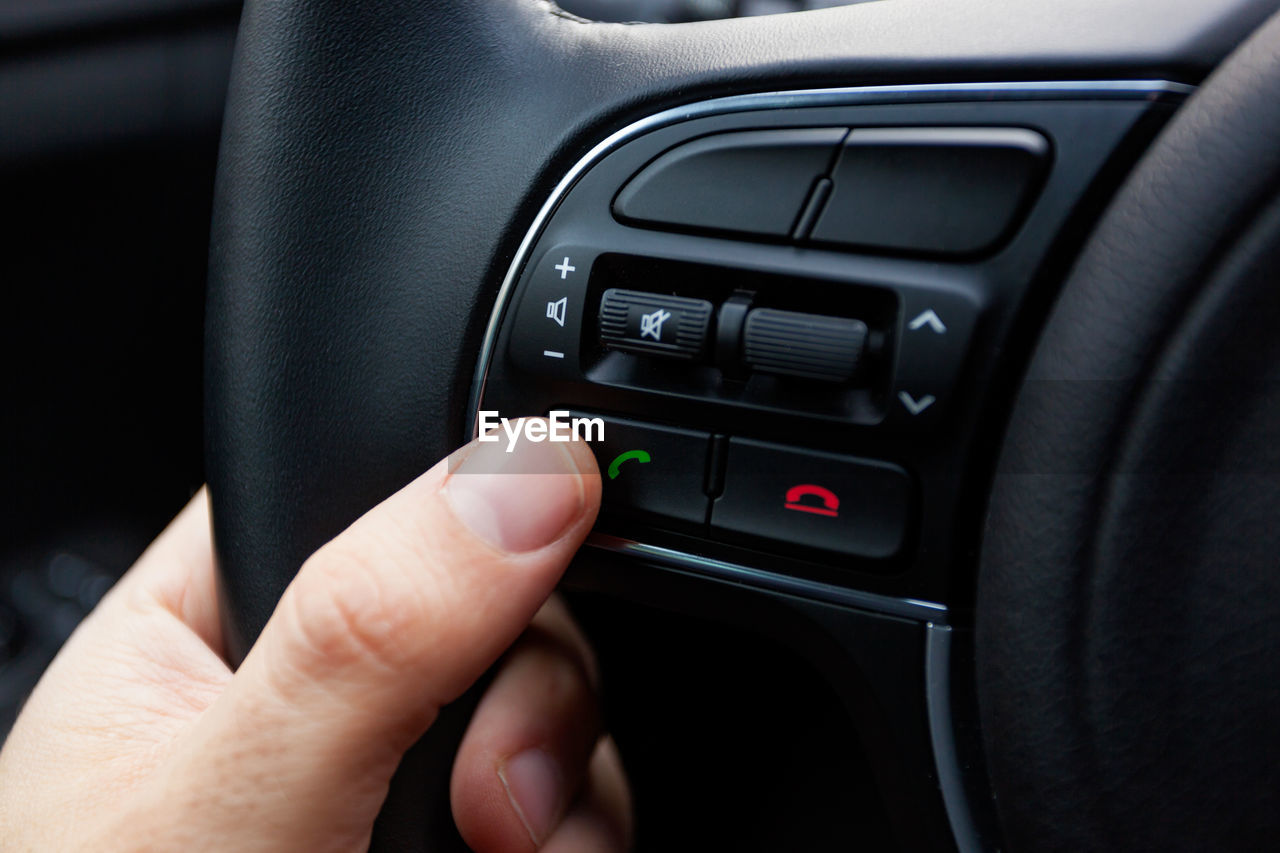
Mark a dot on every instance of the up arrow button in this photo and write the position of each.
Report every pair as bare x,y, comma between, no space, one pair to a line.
928,318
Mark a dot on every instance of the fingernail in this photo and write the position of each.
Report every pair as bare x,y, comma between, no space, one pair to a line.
520,500
533,782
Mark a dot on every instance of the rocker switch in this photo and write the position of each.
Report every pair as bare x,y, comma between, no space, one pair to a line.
654,324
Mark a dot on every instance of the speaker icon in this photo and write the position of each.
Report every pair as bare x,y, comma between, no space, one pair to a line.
555,310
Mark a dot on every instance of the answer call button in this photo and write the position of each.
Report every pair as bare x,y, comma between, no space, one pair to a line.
652,471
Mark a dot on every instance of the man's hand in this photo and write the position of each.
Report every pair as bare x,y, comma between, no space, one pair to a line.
140,736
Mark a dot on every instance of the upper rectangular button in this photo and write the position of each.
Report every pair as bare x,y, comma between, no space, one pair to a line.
752,182
652,469
822,500
931,189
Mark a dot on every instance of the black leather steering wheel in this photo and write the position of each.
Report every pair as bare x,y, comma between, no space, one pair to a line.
382,163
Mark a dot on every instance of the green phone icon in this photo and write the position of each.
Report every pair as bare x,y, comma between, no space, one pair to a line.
616,465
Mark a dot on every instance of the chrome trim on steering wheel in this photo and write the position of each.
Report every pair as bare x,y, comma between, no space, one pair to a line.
721,570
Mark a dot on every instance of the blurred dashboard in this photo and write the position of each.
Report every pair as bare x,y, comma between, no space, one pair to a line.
78,76
111,111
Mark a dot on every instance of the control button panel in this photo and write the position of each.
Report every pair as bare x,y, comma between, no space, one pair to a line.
836,503
752,182
882,355
654,323
742,338
652,470
795,317
547,329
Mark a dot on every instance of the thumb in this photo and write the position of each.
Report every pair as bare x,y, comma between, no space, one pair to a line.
391,620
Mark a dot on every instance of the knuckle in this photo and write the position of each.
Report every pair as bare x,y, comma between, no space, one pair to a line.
349,612
559,684
564,681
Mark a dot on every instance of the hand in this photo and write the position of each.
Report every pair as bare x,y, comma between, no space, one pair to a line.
140,736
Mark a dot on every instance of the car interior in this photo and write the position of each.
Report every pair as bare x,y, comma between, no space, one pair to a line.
934,345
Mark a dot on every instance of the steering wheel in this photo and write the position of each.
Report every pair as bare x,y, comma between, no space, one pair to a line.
1067,641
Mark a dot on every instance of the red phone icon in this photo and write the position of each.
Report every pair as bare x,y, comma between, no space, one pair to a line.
830,502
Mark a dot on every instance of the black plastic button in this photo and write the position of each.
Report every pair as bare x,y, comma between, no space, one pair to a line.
652,470
808,346
654,324
548,322
933,337
822,500
753,182
931,190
